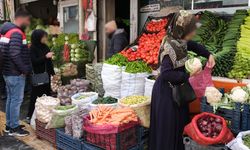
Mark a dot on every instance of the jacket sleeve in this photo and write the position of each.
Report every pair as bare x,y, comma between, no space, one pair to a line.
37,60
171,75
119,44
198,49
15,51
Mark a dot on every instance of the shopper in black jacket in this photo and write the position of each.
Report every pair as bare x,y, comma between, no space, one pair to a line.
16,66
41,62
118,38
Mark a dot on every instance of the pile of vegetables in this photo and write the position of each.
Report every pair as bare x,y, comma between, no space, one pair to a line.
211,35
210,126
225,57
112,116
118,60
56,82
148,48
193,65
133,100
156,25
82,96
105,100
241,67
246,140
69,69
76,86
78,52
137,67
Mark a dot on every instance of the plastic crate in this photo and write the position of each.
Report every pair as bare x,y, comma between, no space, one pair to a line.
67,142
122,137
232,116
88,146
45,134
192,145
246,117
143,133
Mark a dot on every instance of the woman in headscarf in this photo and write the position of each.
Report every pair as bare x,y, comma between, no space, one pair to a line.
168,120
41,58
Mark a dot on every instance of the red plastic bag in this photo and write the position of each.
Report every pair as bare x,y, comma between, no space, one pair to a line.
201,81
193,131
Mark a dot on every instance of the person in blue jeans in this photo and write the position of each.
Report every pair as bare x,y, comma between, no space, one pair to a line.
16,66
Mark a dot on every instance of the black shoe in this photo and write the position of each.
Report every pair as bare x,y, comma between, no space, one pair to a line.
18,131
7,128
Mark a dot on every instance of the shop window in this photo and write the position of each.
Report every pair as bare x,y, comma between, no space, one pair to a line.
71,19
205,4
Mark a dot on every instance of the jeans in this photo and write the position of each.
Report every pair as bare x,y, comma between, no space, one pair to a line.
15,92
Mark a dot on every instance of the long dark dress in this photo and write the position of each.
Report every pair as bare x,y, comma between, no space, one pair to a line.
167,119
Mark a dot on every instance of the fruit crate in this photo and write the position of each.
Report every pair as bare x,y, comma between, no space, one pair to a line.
45,134
233,117
192,145
88,146
143,133
67,142
246,117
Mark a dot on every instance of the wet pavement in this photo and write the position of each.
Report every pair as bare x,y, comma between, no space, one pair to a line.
9,142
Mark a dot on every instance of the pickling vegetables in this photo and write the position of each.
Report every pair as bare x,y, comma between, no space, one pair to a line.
112,116
133,100
137,67
118,60
246,140
105,100
213,95
193,65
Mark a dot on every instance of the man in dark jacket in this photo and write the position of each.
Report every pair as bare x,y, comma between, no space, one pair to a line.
118,38
16,65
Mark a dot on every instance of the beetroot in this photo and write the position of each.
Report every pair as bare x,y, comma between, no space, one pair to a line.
210,126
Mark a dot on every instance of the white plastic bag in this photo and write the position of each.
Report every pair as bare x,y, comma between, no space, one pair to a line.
44,106
58,116
149,84
91,22
87,97
33,120
237,143
132,84
112,78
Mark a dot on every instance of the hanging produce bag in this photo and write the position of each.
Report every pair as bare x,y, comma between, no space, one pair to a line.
58,115
208,129
132,84
112,78
91,22
201,81
149,84
241,142
44,106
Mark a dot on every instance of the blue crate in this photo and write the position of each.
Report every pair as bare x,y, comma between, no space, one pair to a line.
192,145
232,116
88,146
143,133
66,142
246,117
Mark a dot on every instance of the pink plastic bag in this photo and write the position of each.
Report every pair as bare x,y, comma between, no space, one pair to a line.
201,81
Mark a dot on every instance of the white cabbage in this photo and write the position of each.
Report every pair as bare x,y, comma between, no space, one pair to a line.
193,65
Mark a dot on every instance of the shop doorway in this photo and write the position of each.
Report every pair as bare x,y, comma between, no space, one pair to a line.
122,14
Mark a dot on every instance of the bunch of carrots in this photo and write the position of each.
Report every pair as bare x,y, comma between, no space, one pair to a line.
112,116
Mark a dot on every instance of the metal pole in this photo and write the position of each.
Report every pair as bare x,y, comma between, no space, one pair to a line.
192,5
